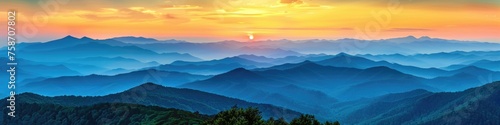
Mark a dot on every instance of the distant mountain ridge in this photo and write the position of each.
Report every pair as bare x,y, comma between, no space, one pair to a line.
91,49
27,69
71,47
143,40
93,85
113,63
228,60
346,60
281,48
485,64
64,42
327,78
437,60
474,76
212,67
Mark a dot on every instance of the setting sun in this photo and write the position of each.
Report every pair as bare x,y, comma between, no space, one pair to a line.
250,36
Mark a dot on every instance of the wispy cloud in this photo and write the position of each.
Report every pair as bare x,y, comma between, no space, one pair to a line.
291,1
303,28
407,29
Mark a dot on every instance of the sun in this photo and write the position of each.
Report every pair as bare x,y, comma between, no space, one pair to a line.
250,36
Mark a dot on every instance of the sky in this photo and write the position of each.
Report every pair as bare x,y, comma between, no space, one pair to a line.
217,20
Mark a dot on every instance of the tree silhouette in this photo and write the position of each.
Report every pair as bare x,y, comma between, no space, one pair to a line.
251,116
305,120
237,116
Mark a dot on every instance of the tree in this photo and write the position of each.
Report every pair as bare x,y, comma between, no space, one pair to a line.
332,123
237,116
280,121
305,120
271,121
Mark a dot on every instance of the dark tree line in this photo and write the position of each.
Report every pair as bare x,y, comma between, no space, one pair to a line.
133,114
104,113
252,116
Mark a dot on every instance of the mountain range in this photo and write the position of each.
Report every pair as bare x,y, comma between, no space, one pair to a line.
70,47
212,67
219,50
335,80
405,80
404,45
104,50
472,106
244,84
143,40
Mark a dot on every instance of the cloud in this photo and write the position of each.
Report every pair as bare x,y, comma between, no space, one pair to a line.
291,1
291,28
132,13
181,7
172,18
407,29
169,16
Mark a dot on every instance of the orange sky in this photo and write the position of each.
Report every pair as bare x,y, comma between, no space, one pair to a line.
215,20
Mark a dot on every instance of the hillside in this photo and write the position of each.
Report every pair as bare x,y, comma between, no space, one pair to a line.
472,106
104,113
167,97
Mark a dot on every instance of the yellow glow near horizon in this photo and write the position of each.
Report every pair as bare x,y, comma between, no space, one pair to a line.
214,20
